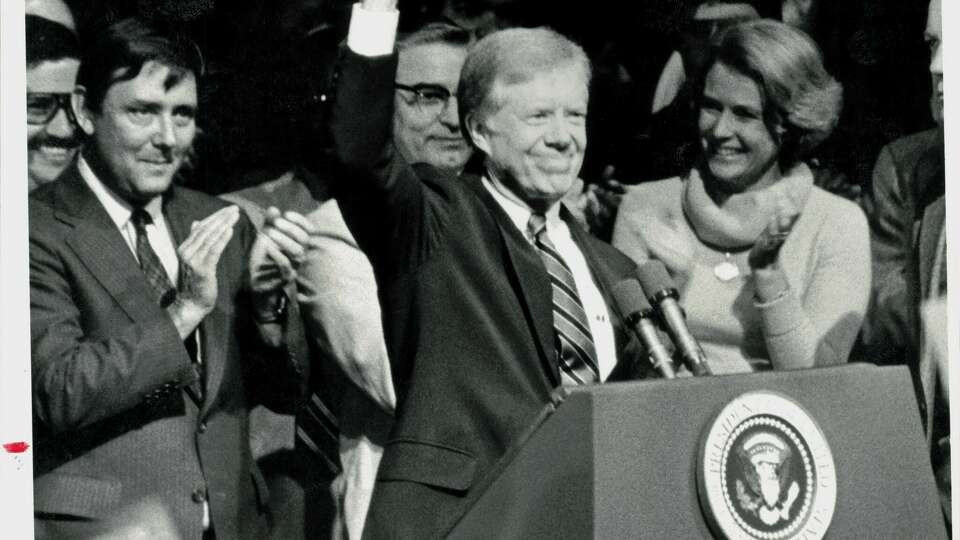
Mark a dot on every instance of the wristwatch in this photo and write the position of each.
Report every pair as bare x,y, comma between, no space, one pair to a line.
277,314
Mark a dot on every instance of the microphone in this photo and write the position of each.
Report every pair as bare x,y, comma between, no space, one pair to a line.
634,305
663,294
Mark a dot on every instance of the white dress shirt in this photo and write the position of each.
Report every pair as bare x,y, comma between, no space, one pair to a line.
593,303
158,233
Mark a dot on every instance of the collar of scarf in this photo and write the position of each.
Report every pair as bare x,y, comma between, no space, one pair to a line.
738,221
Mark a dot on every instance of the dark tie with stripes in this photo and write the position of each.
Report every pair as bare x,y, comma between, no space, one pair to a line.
165,291
318,431
575,350
149,262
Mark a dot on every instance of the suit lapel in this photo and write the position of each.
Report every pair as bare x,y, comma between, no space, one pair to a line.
100,245
527,273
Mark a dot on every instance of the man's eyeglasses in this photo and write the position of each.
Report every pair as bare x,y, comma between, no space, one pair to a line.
431,99
43,106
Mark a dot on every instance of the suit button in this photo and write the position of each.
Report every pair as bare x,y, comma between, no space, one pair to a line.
203,427
199,495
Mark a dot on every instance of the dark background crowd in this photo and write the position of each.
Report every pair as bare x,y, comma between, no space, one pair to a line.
265,94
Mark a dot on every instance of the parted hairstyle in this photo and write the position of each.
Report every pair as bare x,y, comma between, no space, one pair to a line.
48,41
511,56
119,52
801,101
434,33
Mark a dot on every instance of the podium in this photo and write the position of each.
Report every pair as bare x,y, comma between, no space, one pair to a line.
623,460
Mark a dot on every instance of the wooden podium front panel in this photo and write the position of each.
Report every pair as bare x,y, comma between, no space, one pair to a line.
544,488
868,415
636,472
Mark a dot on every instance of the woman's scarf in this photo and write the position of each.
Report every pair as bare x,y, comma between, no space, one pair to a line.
736,222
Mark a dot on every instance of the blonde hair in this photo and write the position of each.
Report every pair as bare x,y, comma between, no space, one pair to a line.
801,101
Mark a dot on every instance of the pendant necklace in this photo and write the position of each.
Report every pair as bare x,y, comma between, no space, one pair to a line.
726,270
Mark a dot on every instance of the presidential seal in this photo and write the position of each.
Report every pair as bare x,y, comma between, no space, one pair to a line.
766,471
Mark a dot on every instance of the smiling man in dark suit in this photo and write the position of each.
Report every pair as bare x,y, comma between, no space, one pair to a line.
492,295
151,336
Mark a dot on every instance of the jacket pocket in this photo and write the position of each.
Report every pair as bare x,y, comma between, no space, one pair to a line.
428,463
75,495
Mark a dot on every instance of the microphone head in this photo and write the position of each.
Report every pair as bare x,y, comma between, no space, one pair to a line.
655,280
630,298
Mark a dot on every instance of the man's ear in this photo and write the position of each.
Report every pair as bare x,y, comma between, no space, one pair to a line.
478,133
78,101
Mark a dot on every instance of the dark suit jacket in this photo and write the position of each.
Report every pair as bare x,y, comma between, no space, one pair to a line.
467,309
894,204
112,425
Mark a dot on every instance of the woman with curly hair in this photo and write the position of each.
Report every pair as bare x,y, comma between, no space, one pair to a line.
774,272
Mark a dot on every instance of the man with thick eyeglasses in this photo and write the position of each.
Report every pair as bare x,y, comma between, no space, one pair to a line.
425,129
53,58
425,124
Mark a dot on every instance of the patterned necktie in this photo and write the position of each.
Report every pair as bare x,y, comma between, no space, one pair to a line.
575,350
318,431
149,262
165,291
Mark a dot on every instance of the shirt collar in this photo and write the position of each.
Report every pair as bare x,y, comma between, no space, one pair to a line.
520,213
118,209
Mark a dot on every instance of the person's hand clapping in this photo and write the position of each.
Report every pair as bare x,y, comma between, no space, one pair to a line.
602,200
199,255
278,251
767,246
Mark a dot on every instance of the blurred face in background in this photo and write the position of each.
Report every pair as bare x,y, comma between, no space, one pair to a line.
934,36
426,125
52,138
739,151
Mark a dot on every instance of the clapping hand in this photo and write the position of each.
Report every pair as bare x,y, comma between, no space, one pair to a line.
601,201
767,246
280,247
199,255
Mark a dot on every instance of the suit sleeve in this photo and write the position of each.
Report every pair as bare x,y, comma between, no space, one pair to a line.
395,213
885,331
79,379
277,376
337,294
818,326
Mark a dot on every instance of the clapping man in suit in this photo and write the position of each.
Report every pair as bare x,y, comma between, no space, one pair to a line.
151,336
492,295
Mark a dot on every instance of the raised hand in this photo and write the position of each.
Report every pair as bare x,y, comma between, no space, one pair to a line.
199,255
379,5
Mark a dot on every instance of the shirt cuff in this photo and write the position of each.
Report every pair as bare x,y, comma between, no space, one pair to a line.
780,315
372,33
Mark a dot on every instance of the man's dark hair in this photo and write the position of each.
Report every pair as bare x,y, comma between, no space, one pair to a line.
119,52
49,41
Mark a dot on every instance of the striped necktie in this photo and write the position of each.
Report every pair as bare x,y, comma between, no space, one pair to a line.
575,350
149,262
318,431
165,292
